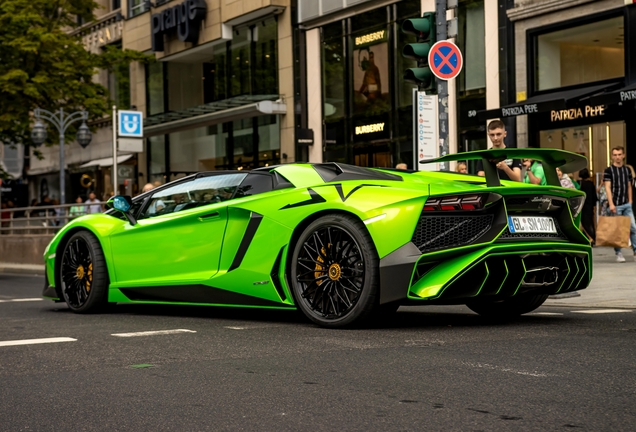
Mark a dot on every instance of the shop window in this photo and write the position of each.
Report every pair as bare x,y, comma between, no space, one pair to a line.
215,75
155,85
265,67
185,85
472,45
194,150
240,66
248,65
333,60
156,146
579,55
137,7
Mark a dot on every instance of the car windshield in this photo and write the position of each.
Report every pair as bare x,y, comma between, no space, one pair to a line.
194,193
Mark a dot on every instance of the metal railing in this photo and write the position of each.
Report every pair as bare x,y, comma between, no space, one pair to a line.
42,219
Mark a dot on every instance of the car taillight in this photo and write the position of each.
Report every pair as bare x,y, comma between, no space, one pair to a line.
454,203
576,205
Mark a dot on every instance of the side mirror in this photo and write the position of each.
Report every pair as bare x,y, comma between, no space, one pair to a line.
122,203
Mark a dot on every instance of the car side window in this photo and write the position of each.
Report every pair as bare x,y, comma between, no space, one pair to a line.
195,193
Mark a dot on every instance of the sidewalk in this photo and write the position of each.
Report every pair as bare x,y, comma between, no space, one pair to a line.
613,284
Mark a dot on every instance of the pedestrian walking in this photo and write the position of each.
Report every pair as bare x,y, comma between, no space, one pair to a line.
509,169
94,206
78,209
587,214
618,187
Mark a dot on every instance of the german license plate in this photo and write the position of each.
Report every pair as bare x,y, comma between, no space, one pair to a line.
531,224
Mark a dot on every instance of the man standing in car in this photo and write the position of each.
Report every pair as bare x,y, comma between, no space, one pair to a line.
509,169
618,186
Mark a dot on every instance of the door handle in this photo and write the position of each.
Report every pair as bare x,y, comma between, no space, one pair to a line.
209,216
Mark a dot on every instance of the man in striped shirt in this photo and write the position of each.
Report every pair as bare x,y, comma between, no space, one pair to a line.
618,185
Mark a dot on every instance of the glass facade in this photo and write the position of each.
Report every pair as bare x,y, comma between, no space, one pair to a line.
362,86
579,55
246,65
119,85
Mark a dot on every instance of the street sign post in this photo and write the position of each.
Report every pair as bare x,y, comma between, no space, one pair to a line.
425,129
130,124
445,60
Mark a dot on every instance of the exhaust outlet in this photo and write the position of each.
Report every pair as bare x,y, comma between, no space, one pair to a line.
541,276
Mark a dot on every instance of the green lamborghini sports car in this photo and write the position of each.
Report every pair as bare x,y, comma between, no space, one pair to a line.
343,244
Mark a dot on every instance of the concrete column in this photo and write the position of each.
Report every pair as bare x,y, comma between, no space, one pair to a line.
491,34
314,93
286,85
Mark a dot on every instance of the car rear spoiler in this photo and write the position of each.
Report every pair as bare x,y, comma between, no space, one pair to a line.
551,159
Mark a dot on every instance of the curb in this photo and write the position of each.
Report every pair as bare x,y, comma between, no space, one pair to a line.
22,269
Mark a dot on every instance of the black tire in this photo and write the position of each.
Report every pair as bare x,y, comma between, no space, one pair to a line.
83,274
508,308
335,272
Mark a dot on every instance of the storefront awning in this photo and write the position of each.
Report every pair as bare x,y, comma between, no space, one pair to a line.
106,162
613,96
237,108
542,103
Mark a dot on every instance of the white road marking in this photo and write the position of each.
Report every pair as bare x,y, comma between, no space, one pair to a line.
21,300
601,311
36,341
544,313
236,328
153,333
504,369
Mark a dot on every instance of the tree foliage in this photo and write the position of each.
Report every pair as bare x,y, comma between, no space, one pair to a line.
43,65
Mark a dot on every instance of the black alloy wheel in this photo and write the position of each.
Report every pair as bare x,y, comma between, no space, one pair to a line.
335,272
83,276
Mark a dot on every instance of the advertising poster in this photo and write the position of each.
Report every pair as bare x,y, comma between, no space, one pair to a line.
371,73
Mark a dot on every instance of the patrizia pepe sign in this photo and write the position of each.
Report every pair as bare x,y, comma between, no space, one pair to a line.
577,113
186,18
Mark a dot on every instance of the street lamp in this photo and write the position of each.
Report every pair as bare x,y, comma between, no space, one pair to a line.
61,122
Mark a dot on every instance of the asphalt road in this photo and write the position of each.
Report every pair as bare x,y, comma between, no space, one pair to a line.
433,368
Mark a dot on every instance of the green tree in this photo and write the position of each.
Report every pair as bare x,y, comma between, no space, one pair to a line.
43,65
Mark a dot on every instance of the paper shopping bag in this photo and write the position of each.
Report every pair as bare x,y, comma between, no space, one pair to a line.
613,231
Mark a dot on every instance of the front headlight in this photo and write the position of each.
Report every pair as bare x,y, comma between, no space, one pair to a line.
576,205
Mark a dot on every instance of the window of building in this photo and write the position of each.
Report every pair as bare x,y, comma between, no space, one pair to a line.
252,67
155,86
115,4
581,54
157,171
137,7
185,85
471,42
265,63
333,60
119,85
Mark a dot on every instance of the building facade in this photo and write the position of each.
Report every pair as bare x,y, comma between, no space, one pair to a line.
216,96
575,76
359,107
219,94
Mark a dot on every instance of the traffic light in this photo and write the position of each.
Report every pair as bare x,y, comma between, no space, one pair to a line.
424,29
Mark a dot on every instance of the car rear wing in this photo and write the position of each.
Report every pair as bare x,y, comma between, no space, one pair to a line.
551,159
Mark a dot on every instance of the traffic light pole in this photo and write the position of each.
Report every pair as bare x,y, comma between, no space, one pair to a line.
442,86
